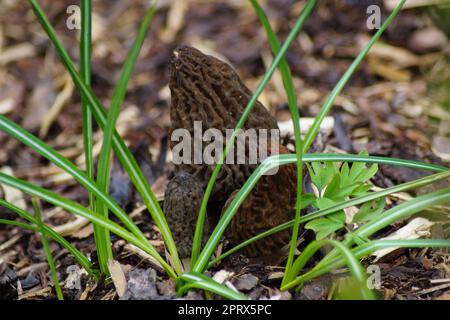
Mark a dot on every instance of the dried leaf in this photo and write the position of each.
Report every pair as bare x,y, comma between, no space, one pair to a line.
415,229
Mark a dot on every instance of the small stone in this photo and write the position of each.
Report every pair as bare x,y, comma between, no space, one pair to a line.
141,285
428,39
8,283
245,282
29,282
193,295
167,287
441,147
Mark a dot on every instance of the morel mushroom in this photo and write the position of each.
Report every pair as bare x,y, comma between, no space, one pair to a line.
182,201
208,90
269,204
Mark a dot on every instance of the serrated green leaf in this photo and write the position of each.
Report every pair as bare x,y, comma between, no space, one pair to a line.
345,171
333,187
323,203
369,173
307,200
356,170
346,192
337,216
315,178
370,210
361,189
323,227
322,174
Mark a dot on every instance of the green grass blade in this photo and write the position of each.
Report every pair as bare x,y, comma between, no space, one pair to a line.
200,281
78,255
363,251
347,256
78,209
104,162
124,155
47,251
330,157
293,108
225,220
345,204
312,132
44,150
85,73
19,224
199,262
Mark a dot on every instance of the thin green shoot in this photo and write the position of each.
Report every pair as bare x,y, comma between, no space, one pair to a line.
124,155
198,261
104,162
101,243
293,109
79,210
197,280
47,250
78,255
312,132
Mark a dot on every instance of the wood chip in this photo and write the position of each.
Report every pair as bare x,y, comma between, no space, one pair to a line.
118,277
175,20
222,276
13,195
391,4
441,147
71,227
36,293
17,52
432,289
61,99
6,105
287,127
5,245
155,264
